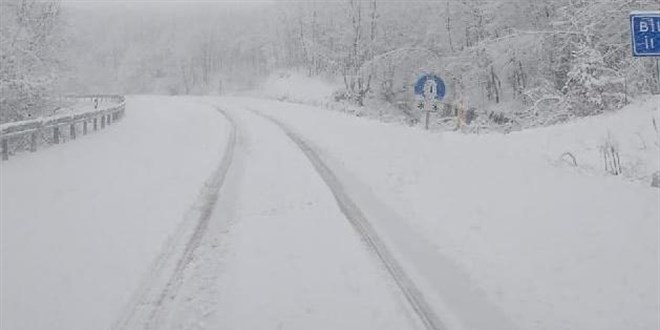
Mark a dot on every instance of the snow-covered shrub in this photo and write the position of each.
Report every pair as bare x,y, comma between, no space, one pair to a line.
591,86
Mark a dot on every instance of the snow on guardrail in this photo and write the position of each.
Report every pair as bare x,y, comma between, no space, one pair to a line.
13,135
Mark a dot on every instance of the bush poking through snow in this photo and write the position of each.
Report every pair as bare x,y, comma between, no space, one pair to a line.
610,151
568,158
655,180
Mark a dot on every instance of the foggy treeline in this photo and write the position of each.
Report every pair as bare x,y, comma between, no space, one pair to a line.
553,58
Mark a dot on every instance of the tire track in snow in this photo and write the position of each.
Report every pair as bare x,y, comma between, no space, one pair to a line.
362,225
145,310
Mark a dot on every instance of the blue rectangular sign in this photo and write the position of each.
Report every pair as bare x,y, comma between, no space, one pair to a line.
645,30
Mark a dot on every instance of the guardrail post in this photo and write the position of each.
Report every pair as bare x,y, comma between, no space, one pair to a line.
103,122
72,131
96,126
5,149
33,142
85,127
56,135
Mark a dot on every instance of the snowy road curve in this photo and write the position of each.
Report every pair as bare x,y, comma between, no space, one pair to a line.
241,213
328,268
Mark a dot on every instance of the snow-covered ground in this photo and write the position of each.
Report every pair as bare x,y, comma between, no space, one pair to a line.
634,131
495,231
81,222
549,246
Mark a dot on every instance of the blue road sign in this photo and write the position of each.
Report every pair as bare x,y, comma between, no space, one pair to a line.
430,84
645,31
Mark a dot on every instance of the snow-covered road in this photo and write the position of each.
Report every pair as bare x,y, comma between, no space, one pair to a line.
81,222
238,213
277,253
270,249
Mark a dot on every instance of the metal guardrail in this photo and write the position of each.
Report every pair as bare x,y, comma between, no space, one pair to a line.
50,129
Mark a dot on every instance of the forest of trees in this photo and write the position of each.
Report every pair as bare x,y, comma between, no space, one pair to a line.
550,58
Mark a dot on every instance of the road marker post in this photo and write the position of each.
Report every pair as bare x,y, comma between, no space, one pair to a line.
33,142
56,135
5,149
460,114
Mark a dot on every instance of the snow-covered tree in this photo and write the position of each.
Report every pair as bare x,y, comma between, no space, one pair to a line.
30,42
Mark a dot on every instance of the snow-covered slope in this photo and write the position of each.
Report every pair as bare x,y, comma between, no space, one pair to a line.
82,222
495,218
633,131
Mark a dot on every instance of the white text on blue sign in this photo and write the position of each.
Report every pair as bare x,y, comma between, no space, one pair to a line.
645,28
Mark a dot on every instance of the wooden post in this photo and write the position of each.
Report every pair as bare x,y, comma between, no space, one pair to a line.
85,127
102,122
5,149
72,131
109,119
96,126
426,125
33,142
56,135
460,114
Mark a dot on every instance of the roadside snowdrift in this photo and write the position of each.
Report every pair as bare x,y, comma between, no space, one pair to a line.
633,132
296,87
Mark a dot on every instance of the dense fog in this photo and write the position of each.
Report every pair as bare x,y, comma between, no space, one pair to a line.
559,57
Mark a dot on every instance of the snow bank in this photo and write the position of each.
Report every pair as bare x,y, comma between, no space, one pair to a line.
297,88
552,247
83,221
632,131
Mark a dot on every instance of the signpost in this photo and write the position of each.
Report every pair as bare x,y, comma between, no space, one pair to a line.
645,32
429,91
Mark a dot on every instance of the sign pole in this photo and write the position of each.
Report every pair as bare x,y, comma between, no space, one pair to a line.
645,33
657,72
429,89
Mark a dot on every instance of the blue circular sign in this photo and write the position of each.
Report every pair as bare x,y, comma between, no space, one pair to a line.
430,84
